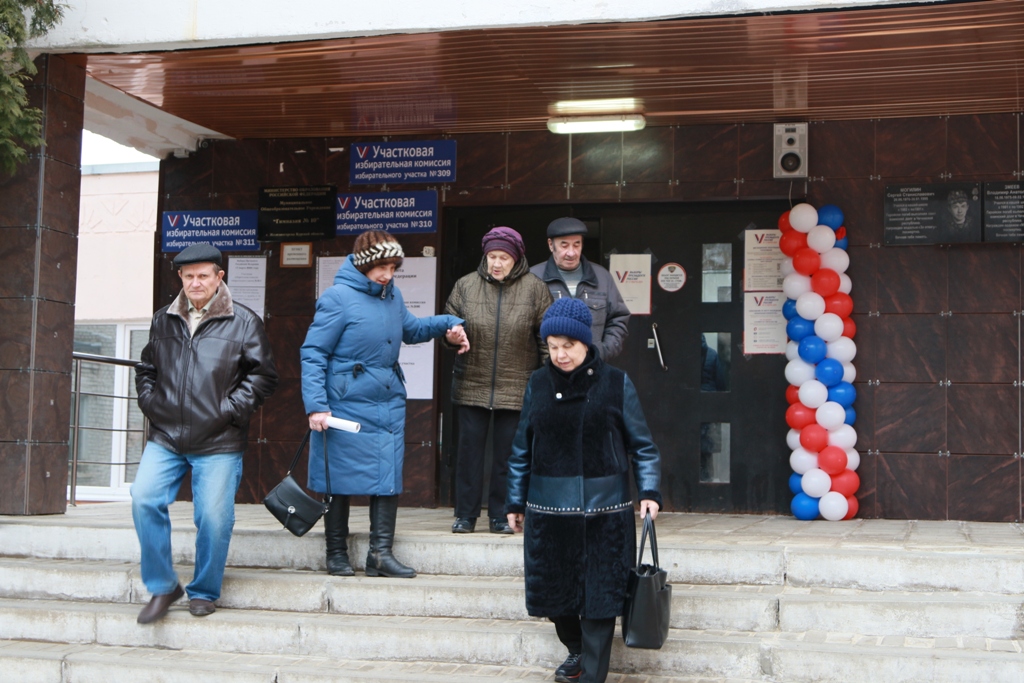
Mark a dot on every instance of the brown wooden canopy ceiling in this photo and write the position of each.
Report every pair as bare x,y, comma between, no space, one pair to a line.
922,60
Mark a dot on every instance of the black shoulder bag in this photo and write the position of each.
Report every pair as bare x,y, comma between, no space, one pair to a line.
293,507
648,598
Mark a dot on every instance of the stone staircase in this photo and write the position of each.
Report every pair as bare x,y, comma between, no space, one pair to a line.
766,599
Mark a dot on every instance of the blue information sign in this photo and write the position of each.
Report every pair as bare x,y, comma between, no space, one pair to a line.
391,211
419,161
226,230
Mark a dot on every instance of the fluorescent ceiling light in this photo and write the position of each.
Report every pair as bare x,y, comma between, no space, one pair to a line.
596,124
619,105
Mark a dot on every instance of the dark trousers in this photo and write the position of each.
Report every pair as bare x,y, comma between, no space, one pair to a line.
590,637
472,424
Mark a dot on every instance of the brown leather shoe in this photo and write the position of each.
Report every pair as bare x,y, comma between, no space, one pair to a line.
158,606
198,607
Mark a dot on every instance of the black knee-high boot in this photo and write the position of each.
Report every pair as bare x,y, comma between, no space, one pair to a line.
336,535
380,561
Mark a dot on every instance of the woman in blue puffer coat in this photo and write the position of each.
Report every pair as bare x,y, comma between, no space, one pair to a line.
350,369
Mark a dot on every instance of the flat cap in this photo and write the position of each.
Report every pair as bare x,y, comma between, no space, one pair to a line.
561,227
199,253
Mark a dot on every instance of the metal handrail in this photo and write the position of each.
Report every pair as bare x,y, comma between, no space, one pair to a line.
77,360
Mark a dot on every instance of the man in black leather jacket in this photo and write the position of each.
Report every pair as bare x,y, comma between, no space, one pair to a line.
207,367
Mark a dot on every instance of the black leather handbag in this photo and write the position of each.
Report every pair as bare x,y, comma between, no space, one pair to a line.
648,598
293,507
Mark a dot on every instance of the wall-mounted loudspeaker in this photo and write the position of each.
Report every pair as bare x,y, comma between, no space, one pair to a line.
790,150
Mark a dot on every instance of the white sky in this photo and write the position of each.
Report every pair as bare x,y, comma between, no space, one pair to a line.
97,149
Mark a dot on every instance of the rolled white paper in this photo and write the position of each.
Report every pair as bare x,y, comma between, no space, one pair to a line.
343,425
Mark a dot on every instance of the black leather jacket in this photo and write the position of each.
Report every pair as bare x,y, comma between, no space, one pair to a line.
200,390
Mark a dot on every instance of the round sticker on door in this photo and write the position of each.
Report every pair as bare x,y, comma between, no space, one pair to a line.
671,277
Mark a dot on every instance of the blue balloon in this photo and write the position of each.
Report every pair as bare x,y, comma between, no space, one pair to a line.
789,309
804,507
798,328
794,482
830,215
829,371
813,349
843,243
851,416
843,393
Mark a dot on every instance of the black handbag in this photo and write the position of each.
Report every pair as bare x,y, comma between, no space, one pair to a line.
648,598
293,507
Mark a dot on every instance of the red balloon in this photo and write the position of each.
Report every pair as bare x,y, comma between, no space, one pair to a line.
839,303
792,394
849,328
799,416
846,482
825,282
840,232
814,438
832,459
854,507
806,261
791,241
784,224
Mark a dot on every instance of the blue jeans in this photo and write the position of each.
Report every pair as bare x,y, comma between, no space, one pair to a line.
215,480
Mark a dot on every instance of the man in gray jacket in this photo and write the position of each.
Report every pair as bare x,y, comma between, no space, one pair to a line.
568,273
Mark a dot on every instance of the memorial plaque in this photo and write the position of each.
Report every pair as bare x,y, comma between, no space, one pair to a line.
1004,212
294,214
932,214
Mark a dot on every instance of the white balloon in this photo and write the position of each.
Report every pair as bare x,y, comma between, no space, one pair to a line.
813,393
843,349
815,483
803,217
821,238
830,415
833,506
852,459
845,283
793,439
836,259
799,371
796,284
810,305
801,460
792,350
829,326
786,267
849,372
844,436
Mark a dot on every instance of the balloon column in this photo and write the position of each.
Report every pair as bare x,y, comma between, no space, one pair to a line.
820,369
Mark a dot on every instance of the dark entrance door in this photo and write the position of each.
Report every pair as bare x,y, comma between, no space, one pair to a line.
717,416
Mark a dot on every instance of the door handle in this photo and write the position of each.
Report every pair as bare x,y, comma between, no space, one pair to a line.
657,345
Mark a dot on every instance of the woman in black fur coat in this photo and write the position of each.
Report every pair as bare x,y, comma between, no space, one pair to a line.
569,492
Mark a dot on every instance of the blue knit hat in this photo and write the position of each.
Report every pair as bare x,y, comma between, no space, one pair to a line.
567,317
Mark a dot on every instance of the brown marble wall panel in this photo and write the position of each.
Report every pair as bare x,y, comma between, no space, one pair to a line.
480,160
538,158
284,416
58,266
62,127
867,341
976,145
234,201
910,418
62,184
420,422
910,147
249,491
536,194
867,494
861,202
705,191
647,156
63,73
240,166
336,161
984,278
48,479
13,468
597,159
841,149
476,196
863,277
911,348
865,424
15,334
911,486
757,152
55,336
51,401
983,348
18,208
191,176
14,405
645,192
984,488
594,193
290,291
924,292
296,163
287,333
983,419
419,477
706,153
17,249
196,202
770,189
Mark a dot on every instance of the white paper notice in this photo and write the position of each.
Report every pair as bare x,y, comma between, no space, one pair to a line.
247,280
632,274
416,280
764,326
762,263
326,269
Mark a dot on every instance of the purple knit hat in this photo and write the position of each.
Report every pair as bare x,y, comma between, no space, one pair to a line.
506,240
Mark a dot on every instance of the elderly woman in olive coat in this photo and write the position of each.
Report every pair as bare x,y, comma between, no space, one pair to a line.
581,430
